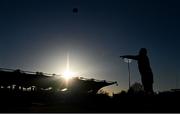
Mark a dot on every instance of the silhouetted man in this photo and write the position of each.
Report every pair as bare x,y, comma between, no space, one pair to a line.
144,69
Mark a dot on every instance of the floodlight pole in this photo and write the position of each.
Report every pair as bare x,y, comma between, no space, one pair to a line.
176,82
129,74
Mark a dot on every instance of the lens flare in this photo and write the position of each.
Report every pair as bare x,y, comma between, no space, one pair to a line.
68,74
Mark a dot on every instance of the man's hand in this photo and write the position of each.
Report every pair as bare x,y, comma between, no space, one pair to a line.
134,57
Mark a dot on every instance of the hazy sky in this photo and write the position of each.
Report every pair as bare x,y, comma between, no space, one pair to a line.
36,35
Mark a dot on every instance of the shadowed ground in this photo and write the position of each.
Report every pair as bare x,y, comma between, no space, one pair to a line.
53,102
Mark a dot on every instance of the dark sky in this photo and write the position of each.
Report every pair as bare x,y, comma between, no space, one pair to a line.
36,35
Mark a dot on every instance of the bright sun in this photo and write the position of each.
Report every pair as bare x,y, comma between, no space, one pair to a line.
68,74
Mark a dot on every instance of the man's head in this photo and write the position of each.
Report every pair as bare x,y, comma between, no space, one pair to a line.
143,51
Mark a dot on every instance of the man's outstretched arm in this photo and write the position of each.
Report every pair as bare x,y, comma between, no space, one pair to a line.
135,57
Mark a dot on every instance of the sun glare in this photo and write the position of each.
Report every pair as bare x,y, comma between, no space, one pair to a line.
68,74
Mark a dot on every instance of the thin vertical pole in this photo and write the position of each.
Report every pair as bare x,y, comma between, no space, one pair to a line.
129,74
176,82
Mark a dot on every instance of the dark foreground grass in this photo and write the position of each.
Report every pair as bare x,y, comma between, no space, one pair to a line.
56,102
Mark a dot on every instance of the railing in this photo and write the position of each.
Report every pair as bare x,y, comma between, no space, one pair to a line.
87,79
27,72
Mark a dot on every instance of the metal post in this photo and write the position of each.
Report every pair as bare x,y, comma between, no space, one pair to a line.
176,82
129,74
